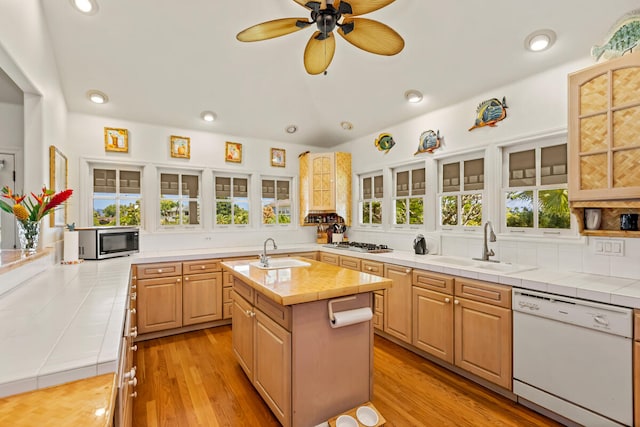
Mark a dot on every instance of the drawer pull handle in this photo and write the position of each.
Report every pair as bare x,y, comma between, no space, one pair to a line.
408,270
178,280
159,270
134,277
134,394
132,311
131,374
134,296
134,347
134,332
186,278
447,300
134,286
203,267
133,382
456,302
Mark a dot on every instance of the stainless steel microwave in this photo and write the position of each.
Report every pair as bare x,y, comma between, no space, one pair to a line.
107,242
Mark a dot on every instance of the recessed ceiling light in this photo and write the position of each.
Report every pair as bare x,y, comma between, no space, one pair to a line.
413,96
97,97
88,7
540,40
208,116
291,129
346,125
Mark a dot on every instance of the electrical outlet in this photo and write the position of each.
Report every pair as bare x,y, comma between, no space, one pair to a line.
609,247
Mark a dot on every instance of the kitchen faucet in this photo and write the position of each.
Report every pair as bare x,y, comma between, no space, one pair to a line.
486,252
264,259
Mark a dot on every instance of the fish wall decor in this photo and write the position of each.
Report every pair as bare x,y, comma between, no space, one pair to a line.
490,112
384,142
623,37
429,141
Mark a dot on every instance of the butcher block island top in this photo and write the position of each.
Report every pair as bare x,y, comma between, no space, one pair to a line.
301,284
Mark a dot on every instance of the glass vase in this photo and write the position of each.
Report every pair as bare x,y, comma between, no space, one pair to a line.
29,234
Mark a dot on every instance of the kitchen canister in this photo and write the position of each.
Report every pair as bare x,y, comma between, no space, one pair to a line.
629,222
592,218
70,247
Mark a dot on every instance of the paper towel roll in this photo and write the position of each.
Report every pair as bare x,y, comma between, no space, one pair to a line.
70,246
351,317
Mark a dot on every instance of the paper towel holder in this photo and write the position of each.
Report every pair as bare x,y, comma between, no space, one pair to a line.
332,318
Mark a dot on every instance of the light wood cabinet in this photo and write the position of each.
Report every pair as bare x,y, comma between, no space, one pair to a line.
397,303
377,269
263,349
350,262
483,330
604,151
202,298
433,320
330,258
309,255
325,185
159,292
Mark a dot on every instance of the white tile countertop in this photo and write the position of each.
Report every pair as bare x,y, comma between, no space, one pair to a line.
66,322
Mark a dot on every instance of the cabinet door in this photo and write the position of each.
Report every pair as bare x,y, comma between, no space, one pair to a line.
202,298
242,333
350,262
323,182
378,310
604,121
159,304
433,323
397,303
272,375
483,343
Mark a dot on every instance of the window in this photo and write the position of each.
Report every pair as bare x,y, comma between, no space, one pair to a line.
462,189
116,197
409,196
276,201
370,203
535,193
232,200
179,199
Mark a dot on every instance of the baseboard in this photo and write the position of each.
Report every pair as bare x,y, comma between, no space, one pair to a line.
182,330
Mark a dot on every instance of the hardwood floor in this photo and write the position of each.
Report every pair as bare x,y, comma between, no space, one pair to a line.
193,379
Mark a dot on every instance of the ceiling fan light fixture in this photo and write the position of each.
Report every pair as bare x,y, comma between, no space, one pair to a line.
208,116
413,96
88,7
346,125
540,40
97,97
291,129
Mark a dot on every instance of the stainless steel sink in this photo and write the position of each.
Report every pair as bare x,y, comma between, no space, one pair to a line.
280,263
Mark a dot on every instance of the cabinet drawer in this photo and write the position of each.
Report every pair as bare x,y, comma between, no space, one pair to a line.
636,326
226,294
310,255
330,258
201,266
278,313
227,308
378,321
434,281
378,303
244,290
350,263
372,267
217,277
486,292
163,269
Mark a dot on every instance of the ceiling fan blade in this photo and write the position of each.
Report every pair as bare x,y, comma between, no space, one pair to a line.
372,36
319,53
360,7
271,29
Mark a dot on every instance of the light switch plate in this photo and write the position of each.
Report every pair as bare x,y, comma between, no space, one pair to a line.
609,247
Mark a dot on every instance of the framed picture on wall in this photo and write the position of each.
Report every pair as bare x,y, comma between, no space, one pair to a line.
233,152
116,140
278,157
180,147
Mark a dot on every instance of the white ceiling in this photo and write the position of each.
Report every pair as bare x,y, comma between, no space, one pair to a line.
165,61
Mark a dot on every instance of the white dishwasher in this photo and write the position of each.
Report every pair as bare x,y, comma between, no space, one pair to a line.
573,357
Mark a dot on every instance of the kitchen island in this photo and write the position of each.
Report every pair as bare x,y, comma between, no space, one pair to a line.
304,367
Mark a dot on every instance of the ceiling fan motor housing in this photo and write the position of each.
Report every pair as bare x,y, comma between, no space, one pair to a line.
326,20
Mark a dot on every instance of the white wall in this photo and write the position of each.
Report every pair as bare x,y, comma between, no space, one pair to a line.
537,106
149,147
26,56
12,127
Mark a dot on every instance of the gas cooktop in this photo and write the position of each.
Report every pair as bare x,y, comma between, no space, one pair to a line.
371,248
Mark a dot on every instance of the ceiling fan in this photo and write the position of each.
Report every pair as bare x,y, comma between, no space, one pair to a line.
366,34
